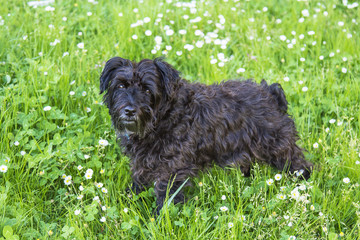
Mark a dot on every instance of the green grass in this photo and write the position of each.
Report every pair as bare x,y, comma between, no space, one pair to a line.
35,203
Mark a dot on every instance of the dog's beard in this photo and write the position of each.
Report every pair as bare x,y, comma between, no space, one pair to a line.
140,125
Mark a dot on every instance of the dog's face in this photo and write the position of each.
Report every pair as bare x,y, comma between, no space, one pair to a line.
135,92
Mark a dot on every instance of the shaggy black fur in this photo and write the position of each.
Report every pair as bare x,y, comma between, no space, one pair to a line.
171,129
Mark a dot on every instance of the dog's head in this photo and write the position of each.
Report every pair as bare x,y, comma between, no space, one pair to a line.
136,92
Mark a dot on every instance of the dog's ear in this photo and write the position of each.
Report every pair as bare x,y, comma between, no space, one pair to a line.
169,75
109,71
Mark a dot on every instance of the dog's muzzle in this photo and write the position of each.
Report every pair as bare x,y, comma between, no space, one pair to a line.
129,119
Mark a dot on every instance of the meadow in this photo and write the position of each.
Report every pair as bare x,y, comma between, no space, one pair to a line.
62,174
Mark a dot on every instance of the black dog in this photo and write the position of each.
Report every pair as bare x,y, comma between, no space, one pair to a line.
171,128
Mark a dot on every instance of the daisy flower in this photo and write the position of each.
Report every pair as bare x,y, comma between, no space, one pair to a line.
103,142
224,209
270,181
278,177
3,168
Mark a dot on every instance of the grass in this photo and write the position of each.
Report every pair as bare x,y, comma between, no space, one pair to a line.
51,57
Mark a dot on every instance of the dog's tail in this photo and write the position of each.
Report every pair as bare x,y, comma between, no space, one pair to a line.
276,90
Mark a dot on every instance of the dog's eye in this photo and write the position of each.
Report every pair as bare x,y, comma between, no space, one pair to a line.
121,86
147,92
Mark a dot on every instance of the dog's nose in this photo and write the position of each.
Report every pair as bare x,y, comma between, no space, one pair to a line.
129,111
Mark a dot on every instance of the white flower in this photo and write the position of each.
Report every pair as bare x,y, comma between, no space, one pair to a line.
88,175
295,194
301,20
134,37
311,33
67,181
302,59
169,32
341,23
72,93
80,45
265,9
148,33
103,219
224,209
321,57
158,40
86,156
290,224
135,10
182,31
325,13
281,196
80,197
22,153
77,212
99,185
81,188
305,13
324,229
282,37
65,54
304,89
199,44
47,108
3,168
64,19
89,13
83,93
104,190
332,121
230,224
96,198
103,142
240,70
286,79
316,145
344,70
301,36
312,208
189,47
344,59
278,177
120,14
223,197
331,54
126,210
292,238
146,19
179,53
270,181
213,61
90,171
88,109
79,167
357,162
346,180
103,208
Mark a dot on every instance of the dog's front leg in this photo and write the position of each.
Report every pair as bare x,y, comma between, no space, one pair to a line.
171,185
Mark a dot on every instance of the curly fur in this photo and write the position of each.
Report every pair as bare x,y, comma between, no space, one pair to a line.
178,128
